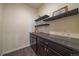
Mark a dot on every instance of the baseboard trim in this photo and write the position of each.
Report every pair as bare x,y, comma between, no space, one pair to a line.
14,49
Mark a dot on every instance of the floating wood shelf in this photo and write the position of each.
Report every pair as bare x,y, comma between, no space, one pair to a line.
66,14
41,18
41,25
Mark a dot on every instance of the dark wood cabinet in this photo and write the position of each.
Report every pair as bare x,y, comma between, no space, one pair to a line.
33,42
40,48
62,50
45,47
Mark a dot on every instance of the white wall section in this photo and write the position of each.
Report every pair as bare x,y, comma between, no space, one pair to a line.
1,11
17,24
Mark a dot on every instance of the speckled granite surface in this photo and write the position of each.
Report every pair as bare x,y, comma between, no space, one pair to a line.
67,41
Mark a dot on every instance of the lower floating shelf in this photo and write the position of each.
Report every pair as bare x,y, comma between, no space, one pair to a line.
41,25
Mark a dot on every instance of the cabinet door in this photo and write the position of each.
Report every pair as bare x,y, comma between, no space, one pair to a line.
33,42
51,52
41,49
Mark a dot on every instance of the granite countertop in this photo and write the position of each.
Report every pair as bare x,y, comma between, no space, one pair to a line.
67,41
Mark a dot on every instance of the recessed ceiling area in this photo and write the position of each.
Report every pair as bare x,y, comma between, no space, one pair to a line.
35,5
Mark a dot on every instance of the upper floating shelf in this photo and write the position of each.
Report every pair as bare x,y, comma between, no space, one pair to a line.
66,14
41,18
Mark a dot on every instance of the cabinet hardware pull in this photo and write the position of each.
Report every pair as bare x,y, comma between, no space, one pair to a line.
45,49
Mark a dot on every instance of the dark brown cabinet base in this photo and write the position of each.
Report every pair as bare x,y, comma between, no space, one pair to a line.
44,47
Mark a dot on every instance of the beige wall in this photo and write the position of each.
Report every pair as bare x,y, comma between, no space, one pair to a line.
67,25
1,28
17,24
48,8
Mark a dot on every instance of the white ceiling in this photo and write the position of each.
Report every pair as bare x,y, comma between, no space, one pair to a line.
35,5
